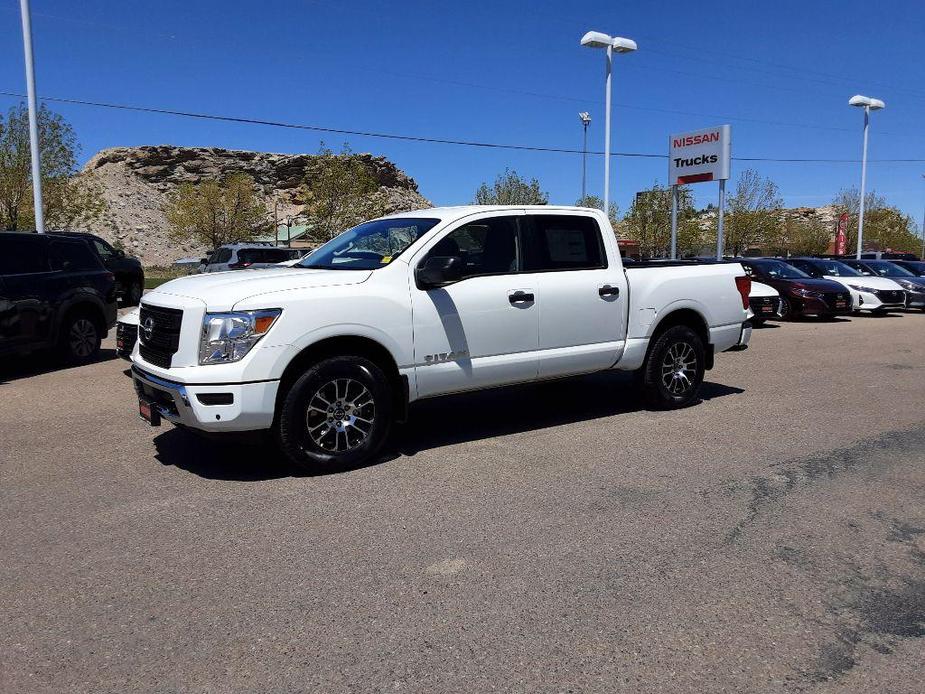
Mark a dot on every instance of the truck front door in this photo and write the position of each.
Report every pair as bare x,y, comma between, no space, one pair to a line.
482,330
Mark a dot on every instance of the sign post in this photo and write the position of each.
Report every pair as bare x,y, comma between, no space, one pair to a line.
696,157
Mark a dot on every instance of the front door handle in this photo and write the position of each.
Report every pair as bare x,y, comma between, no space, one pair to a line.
607,290
520,298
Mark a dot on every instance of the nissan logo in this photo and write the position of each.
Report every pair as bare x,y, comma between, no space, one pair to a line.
147,327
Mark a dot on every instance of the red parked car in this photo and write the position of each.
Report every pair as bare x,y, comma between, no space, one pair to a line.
801,294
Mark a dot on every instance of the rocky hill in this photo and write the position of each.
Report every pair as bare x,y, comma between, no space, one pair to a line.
137,180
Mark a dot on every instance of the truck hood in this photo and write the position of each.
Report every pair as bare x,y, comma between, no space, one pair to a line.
222,290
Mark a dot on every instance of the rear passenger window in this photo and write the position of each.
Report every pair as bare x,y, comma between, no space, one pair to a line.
563,242
21,255
222,255
73,256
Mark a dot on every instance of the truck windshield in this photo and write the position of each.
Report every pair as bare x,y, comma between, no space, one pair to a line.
369,246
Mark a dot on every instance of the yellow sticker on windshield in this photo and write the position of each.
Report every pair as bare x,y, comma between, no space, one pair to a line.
386,259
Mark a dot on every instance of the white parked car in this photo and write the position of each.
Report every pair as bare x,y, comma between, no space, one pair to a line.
328,353
764,302
127,333
868,293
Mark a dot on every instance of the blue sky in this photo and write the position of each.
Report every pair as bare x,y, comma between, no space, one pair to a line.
510,72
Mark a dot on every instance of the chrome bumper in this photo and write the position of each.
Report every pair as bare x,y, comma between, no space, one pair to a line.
170,399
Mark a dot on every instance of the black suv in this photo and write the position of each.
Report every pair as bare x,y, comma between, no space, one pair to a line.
55,293
130,277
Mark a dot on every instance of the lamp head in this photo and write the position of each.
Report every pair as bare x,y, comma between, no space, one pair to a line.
597,39
585,117
866,101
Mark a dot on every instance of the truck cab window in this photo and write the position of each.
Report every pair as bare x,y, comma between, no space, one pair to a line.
487,246
563,242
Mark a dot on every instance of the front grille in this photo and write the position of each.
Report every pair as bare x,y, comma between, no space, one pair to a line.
891,296
765,305
126,335
159,334
833,300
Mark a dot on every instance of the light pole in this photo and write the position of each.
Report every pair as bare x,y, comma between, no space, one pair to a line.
33,116
868,104
585,121
595,39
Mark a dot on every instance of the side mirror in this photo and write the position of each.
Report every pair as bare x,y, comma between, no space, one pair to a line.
439,271
120,253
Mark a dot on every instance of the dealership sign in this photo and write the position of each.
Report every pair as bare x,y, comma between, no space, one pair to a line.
702,155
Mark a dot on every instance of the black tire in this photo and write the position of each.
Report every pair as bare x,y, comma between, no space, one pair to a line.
307,436
673,372
133,292
80,338
786,310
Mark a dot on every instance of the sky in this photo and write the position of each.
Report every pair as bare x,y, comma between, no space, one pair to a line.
780,73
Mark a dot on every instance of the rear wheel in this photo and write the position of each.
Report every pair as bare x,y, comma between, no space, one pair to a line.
336,415
133,293
673,372
80,338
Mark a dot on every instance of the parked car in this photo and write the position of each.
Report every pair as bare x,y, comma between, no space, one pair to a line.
874,294
913,285
55,294
127,333
916,267
801,295
240,256
328,353
130,275
765,303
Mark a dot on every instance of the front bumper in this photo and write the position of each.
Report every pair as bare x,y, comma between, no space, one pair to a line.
815,306
915,299
244,406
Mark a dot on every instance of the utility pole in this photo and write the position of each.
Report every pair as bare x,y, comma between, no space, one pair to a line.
33,116
585,121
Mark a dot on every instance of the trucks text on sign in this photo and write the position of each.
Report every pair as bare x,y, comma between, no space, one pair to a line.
702,155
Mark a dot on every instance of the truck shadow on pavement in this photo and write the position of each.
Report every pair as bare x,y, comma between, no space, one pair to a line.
13,369
432,423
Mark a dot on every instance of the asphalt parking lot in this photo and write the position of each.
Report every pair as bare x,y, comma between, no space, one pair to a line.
555,537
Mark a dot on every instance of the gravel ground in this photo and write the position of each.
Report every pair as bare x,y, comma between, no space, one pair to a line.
551,538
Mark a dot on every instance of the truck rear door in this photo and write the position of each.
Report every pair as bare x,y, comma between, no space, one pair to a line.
580,292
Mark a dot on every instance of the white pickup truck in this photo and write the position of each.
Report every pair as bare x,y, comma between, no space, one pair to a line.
327,354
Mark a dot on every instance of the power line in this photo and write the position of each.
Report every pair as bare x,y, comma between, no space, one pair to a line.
417,138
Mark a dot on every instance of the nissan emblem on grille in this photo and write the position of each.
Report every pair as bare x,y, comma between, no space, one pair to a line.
147,327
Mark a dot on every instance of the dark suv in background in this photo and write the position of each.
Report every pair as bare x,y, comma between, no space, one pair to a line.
130,276
55,293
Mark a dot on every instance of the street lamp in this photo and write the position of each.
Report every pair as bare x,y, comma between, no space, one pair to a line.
585,122
868,104
26,13
595,39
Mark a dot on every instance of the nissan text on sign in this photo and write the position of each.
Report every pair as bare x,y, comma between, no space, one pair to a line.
702,155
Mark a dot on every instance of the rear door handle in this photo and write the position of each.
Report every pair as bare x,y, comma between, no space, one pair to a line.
520,298
607,290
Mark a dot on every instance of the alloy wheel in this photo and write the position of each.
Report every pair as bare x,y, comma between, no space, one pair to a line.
82,338
340,415
679,368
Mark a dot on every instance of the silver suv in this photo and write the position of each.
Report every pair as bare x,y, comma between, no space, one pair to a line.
238,256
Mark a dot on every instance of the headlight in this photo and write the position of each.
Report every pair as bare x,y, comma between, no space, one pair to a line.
799,291
861,288
911,286
227,337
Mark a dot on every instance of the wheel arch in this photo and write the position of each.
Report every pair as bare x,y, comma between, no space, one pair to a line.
691,318
348,345
78,304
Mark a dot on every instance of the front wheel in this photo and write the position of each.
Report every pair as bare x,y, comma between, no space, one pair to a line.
336,415
673,372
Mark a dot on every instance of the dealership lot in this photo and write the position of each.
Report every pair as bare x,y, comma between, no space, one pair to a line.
544,538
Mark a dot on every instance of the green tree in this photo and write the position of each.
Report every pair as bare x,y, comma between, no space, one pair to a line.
213,213
799,236
511,189
754,213
649,222
596,203
68,200
885,227
340,192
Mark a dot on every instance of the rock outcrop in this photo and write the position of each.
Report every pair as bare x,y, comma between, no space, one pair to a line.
137,180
